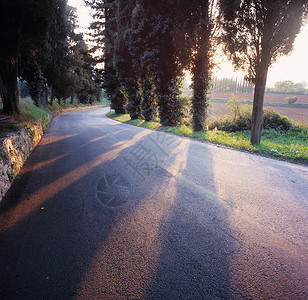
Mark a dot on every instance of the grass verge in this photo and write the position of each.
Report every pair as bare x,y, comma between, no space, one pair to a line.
289,145
31,114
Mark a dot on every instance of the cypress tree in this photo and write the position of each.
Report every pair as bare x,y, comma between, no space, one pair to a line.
104,32
23,25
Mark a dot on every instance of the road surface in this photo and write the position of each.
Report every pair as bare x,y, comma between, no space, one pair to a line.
104,210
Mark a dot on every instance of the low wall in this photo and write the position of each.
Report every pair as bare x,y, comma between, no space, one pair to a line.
14,150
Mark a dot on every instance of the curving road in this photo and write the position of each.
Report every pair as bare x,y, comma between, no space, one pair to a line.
104,210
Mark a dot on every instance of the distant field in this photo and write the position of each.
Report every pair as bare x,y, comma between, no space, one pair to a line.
299,114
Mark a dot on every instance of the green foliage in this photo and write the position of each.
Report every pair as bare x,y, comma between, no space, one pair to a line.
248,26
230,124
120,118
291,145
4,157
11,175
291,100
135,122
126,119
273,120
254,35
202,52
186,110
179,130
151,125
149,100
126,70
236,106
288,86
240,118
54,106
104,31
30,112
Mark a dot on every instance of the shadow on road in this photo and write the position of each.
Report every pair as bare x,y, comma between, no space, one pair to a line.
51,224
185,230
193,263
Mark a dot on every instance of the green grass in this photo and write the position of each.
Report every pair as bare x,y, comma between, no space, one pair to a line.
32,113
138,122
291,145
151,125
120,118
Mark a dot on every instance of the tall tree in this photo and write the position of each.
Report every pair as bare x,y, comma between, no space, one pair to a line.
126,71
168,69
23,25
104,31
144,57
256,33
202,31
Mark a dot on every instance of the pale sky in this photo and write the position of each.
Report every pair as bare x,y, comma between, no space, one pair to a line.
293,67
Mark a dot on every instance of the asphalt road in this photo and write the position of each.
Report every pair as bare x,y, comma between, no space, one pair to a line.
104,210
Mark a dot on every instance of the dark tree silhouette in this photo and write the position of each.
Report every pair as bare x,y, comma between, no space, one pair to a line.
255,34
23,25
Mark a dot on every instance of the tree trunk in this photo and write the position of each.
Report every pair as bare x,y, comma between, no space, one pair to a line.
200,88
9,86
52,96
46,95
134,99
72,98
257,111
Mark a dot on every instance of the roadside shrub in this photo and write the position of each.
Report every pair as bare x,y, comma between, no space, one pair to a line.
291,100
273,120
237,107
230,124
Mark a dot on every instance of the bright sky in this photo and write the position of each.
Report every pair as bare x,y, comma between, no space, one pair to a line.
293,67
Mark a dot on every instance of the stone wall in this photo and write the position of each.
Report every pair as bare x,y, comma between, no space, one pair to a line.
14,150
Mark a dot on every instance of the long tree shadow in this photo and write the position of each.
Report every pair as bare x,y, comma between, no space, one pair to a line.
51,224
196,240
45,255
173,242
169,241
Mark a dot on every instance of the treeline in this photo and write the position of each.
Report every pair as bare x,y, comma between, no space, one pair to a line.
244,86
231,85
39,46
147,45
288,87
